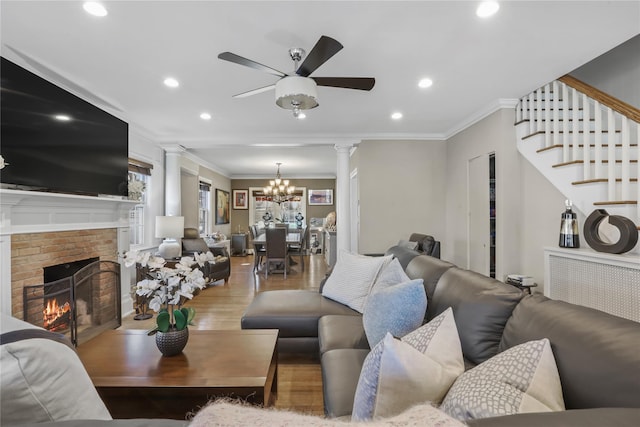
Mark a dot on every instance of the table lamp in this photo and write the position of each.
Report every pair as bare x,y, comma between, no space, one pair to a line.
170,228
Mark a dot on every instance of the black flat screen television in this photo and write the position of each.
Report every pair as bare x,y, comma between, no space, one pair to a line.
55,141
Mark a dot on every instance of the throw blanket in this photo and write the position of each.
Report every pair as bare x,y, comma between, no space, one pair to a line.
225,413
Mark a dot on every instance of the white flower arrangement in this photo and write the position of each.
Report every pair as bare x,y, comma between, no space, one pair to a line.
135,188
166,289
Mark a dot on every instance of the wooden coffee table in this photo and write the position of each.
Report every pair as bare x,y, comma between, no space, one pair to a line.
135,381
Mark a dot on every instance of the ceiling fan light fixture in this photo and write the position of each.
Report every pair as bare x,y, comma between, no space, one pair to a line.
296,93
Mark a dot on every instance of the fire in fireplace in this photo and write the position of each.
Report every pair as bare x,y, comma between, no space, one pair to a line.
81,298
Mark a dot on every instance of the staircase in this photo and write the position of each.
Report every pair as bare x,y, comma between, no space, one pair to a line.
585,143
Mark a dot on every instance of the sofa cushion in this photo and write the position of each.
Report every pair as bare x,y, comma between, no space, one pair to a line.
294,312
481,305
340,373
595,417
402,254
429,269
420,367
352,278
341,331
397,309
589,346
43,380
522,379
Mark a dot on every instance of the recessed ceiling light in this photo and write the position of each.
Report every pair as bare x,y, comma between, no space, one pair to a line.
62,117
396,116
171,82
425,83
487,8
205,116
94,8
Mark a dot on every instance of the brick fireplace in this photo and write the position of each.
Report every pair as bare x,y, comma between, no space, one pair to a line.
32,252
38,230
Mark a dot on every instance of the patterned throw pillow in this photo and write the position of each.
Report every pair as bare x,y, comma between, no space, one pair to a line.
397,309
352,277
521,379
398,374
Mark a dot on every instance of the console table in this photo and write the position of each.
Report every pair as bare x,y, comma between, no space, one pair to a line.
135,381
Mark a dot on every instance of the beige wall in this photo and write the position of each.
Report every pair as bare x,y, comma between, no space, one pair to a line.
240,217
528,206
191,175
402,191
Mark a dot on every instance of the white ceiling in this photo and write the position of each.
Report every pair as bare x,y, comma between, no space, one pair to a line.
119,62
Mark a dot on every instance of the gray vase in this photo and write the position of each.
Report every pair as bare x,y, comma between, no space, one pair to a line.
172,342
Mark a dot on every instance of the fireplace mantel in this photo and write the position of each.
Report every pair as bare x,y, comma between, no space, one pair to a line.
24,212
33,211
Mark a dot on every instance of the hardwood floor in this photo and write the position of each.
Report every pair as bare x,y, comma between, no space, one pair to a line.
221,307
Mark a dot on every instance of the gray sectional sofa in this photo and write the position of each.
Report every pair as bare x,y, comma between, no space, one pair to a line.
597,354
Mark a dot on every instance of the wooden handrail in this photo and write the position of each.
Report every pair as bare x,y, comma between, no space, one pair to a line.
603,98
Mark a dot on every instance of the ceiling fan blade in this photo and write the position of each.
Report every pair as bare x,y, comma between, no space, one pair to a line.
324,49
360,83
232,57
254,91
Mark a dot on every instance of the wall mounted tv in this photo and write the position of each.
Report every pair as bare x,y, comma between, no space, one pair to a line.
56,141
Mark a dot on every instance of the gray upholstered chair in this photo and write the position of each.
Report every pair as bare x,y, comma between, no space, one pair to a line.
192,243
277,250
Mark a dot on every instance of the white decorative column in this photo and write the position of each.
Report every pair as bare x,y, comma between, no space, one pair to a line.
343,216
172,189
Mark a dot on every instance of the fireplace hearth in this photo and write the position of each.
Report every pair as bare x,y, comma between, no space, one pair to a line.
82,304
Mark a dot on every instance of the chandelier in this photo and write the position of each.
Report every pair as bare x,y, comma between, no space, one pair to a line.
279,189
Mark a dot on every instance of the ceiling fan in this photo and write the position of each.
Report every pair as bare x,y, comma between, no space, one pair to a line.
297,91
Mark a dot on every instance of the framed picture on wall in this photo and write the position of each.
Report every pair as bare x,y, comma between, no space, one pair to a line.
320,197
222,206
240,199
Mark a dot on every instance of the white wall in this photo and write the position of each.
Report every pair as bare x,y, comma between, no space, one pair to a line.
402,191
143,148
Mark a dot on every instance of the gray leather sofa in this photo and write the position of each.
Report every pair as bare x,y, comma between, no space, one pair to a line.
597,354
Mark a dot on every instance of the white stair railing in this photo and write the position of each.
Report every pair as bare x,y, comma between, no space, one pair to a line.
586,132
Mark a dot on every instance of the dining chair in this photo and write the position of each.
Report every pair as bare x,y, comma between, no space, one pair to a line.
298,248
277,250
259,250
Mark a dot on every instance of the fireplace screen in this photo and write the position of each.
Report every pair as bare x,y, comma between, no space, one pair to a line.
82,305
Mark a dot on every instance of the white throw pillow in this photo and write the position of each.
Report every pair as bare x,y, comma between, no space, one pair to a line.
408,244
44,380
521,379
396,309
352,277
419,368
391,274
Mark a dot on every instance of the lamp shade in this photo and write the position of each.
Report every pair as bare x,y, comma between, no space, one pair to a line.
295,92
171,227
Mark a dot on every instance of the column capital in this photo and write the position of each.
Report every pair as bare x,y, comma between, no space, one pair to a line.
173,148
343,147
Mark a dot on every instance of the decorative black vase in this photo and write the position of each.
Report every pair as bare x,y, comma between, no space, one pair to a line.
172,342
569,237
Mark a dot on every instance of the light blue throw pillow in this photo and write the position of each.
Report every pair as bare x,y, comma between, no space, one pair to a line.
396,309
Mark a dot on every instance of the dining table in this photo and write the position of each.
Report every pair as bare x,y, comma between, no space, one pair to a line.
260,241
